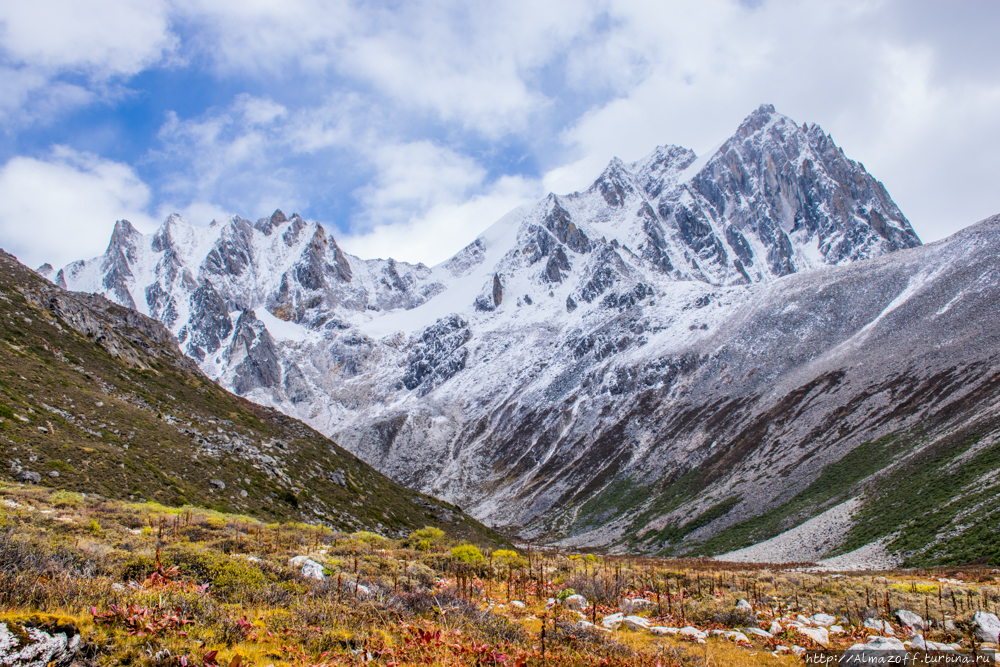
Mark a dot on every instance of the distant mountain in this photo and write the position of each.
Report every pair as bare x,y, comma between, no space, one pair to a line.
97,398
681,348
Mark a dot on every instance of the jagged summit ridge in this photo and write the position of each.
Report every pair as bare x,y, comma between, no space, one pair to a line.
508,375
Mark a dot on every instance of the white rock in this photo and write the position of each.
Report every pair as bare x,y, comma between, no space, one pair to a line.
743,604
551,602
797,650
517,604
775,628
824,619
634,606
803,620
612,621
880,648
635,623
819,635
575,603
662,630
879,625
739,637
987,626
780,650
909,619
40,649
757,632
691,632
836,630
887,643
310,569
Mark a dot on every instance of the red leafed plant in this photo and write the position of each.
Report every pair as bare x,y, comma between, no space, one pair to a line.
140,620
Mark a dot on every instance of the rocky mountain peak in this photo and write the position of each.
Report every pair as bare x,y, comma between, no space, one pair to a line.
519,357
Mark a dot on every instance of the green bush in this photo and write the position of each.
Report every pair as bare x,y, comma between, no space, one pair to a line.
236,577
467,554
368,537
424,538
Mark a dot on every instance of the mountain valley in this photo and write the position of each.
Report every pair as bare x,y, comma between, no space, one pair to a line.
692,356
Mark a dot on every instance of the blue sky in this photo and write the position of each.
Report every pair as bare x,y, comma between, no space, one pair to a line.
407,128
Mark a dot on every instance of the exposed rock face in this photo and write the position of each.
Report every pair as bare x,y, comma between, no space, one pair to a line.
39,641
643,363
253,356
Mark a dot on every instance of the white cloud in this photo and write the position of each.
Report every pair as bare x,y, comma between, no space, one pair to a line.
64,207
101,37
427,202
433,235
98,39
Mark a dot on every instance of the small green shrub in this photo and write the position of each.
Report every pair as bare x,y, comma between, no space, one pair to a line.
368,537
424,538
467,554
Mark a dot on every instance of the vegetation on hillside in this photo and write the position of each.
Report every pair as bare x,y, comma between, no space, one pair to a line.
95,398
145,584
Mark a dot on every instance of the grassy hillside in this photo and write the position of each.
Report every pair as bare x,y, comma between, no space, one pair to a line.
95,398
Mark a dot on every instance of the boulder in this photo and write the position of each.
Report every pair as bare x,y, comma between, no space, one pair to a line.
909,619
921,644
757,632
879,626
775,628
797,650
38,641
635,606
29,477
575,603
663,630
877,650
836,630
743,604
693,633
987,626
309,568
612,621
635,623
824,619
517,604
819,635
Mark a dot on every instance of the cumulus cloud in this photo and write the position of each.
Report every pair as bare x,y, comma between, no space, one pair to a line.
408,127
435,233
64,207
96,39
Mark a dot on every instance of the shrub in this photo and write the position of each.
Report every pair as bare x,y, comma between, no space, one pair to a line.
368,537
565,593
424,538
467,554
236,578
509,560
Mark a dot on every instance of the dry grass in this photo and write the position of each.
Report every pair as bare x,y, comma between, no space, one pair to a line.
185,585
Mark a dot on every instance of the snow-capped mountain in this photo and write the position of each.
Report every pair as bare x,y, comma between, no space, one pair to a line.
685,320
